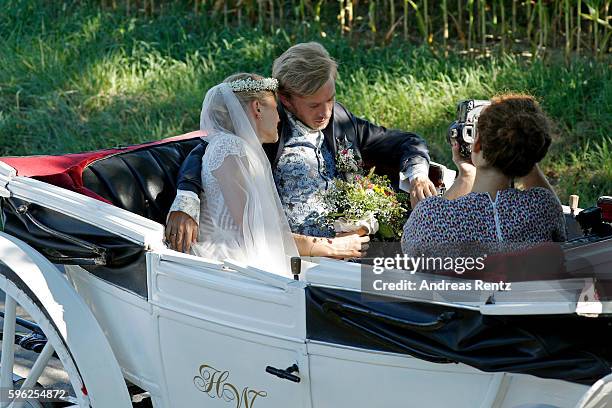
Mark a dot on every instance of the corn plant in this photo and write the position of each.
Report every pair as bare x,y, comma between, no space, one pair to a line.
515,25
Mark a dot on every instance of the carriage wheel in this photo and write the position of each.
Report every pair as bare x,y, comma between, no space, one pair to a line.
19,295
71,331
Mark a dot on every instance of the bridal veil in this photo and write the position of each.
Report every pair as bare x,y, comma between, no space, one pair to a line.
241,215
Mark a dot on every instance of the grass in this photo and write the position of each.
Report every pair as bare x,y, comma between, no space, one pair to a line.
81,79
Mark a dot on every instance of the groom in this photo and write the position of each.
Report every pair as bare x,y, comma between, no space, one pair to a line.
319,139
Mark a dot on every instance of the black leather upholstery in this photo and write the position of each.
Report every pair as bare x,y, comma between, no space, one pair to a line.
567,347
142,181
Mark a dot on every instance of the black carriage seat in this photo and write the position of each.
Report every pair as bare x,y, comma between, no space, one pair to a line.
142,181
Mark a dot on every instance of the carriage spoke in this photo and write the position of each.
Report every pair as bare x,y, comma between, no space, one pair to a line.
36,371
8,347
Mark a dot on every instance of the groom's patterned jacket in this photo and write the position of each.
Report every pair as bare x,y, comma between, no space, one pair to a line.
400,155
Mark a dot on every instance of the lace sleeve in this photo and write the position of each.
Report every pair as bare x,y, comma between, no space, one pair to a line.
222,146
187,202
227,163
233,183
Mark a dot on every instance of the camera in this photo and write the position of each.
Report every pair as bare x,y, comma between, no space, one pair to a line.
463,130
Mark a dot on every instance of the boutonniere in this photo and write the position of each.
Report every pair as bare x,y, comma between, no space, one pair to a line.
346,159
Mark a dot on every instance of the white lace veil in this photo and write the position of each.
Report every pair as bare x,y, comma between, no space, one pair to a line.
266,236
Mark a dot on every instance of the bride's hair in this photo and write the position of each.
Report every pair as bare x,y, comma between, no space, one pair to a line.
220,113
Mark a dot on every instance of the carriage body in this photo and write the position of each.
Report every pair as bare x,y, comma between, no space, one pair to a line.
196,332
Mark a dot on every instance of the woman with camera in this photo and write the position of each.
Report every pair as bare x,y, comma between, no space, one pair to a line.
512,135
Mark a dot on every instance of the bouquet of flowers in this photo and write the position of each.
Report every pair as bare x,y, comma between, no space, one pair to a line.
367,200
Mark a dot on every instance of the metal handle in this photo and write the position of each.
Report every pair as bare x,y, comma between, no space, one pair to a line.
286,373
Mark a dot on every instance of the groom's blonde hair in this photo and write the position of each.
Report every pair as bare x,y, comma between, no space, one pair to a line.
303,69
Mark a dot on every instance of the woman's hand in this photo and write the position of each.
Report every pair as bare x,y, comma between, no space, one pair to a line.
345,245
349,246
465,166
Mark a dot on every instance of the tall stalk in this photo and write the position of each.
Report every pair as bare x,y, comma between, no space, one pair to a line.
494,11
281,12
470,5
342,16
504,31
405,20
594,10
514,18
420,20
606,35
460,22
578,26
542,25
568,34
225,15
349,15
372,17
426,19
445,33
317,12
529,19
482,25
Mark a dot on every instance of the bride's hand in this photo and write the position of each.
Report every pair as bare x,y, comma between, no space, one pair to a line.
360,232
349,246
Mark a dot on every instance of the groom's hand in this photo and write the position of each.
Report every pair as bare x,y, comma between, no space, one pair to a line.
421,187
181,231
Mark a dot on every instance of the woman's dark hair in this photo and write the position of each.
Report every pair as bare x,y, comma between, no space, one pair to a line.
514,134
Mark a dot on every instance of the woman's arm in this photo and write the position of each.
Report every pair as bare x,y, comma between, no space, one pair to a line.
347,246
462,186
465,179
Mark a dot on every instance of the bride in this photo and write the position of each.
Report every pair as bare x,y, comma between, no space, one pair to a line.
241,217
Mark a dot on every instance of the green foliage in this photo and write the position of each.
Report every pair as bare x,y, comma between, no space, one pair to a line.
78,77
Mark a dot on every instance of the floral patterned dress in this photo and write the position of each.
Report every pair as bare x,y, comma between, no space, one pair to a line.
514,218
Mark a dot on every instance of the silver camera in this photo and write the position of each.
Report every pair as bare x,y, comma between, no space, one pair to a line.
463,130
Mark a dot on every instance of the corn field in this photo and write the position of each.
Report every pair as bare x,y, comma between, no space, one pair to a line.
473,26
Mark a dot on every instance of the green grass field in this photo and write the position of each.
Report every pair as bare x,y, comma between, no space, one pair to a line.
78,79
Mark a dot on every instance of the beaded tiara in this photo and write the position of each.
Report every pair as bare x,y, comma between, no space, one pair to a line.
254,85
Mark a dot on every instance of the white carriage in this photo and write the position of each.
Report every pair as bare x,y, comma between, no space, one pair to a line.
192,332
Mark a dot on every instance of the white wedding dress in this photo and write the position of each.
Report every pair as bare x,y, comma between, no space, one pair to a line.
219,236
241,217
